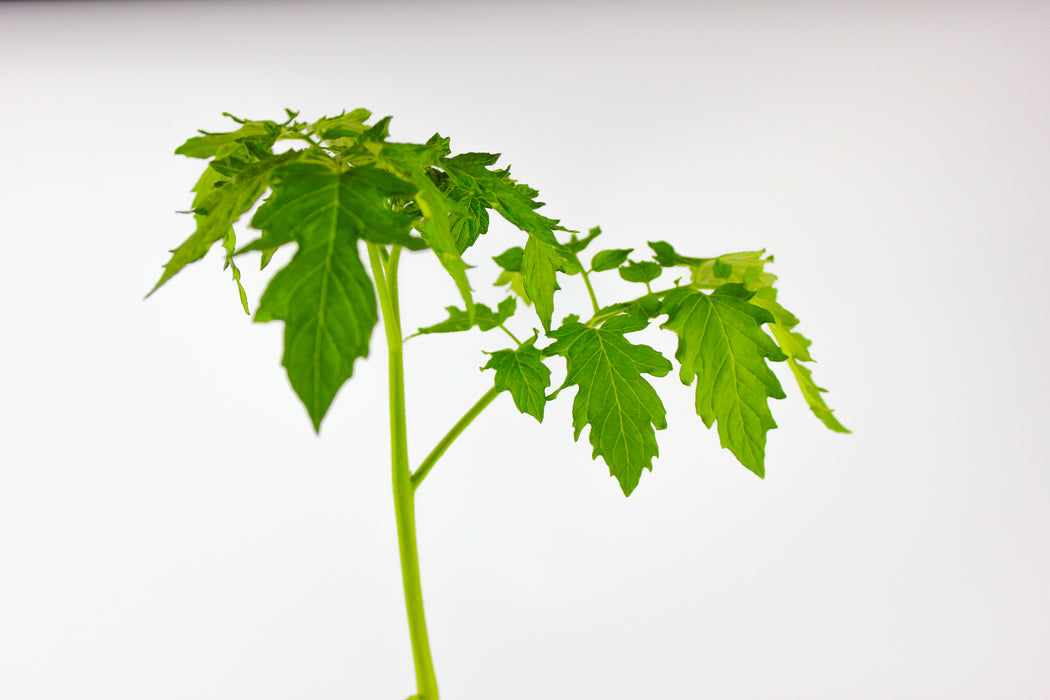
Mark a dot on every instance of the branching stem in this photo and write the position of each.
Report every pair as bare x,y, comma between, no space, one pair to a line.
404,493
450,437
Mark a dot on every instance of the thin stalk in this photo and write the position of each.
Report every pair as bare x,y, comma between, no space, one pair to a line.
590,289
450,437
404,493
512,336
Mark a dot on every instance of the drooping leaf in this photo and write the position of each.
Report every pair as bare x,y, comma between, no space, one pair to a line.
796,347
613,398
484,318
642,272
324,295
411,162
217,211
722,345
523,374
516,202
609,259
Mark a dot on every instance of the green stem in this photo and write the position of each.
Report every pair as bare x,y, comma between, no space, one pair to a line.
459,427
404,493
590,289
512,336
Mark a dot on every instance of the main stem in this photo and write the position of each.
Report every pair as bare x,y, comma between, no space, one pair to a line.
404,492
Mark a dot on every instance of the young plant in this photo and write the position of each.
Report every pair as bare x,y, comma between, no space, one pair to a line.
347,185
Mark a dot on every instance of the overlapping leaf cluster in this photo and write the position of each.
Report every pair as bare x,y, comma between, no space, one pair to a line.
346,183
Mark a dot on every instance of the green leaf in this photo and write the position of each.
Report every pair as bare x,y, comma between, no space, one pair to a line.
411,162
209,144
469,221
666,256
510,259
216,210
745,268
643,272
577,245
721,270
620,406
229,242
324,295
721,343
484,318
516,202
523,374
796,347
343,125
539,264
609,259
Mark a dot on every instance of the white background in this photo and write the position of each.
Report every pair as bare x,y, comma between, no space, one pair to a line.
171,527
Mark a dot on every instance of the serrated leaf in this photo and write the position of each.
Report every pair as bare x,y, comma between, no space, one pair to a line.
620,406
343,125
523,374
469,221
609,259
411,162
209,144
516,202
796,347
484,318
642,272
324,295
539,265
721,344
217,211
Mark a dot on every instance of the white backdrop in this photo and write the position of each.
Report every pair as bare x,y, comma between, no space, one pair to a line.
170,526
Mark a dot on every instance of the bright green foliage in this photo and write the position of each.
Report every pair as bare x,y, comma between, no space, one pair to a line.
523,374
643,272
484,318
348,184
610,259
620,406
720,342
218,204
324,295
796,347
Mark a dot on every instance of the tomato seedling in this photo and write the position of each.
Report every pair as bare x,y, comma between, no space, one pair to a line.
347,185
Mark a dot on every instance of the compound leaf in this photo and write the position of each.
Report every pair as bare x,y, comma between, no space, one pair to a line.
484,318
523,374
324,295
620,406
721,343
